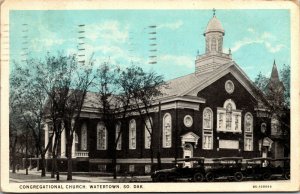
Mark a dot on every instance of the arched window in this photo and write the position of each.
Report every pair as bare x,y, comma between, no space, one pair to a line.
148,132
101,136
213,44
167,130
229,118
83,143
263,127
118,135
275,125
220,43
207,118
207,132
248,132
248,123
132,134
207,44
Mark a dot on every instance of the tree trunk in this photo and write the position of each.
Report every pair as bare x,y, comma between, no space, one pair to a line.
114,163
43,165
158,160
26,154
151,153
53,167
14,156
70,163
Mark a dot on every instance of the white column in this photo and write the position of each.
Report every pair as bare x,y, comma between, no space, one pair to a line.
46,138
73,144
53,141
63,142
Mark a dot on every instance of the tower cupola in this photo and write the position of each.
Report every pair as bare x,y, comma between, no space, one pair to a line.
214,35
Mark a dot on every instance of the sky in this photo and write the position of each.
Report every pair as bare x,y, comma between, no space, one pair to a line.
124,37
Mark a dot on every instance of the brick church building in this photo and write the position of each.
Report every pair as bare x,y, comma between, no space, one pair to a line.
217,111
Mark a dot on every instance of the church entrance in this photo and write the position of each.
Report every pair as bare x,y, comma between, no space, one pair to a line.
188,153
189,141
266,145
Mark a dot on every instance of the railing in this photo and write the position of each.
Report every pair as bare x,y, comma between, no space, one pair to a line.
82,154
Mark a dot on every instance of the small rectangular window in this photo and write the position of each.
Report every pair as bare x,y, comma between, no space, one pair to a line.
207,143
102,167
248,144
131,168
118,167
147,169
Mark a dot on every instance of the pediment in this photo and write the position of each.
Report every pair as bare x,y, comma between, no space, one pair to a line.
237,72
267,141
190,136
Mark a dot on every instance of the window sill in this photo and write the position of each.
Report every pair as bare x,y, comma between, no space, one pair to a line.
226,131
207,148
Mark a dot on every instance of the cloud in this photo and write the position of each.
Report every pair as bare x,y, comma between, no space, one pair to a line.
181,60
251,30
171,26
266,38
108,31
246,41
44,43
275,48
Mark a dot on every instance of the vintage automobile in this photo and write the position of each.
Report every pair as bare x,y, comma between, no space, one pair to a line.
265,168
188,168
226,167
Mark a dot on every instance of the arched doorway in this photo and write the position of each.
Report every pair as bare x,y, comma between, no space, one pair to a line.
188,153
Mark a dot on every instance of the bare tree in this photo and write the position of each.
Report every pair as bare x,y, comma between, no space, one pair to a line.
146,89
56,74
26,105
114,97
82,79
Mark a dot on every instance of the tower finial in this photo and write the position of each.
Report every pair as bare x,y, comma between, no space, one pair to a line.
214,12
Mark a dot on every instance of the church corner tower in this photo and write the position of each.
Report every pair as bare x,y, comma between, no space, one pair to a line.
213,56
275,84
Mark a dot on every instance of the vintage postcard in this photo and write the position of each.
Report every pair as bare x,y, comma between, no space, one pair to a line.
149,96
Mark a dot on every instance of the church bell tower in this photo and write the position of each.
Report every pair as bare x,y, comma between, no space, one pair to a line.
213,57
214,35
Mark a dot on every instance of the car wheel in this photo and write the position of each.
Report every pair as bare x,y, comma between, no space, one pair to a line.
266,176
287,175
210,177
161,177
238,176
198,177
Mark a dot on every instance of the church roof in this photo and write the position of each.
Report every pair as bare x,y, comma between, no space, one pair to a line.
179,86
214,25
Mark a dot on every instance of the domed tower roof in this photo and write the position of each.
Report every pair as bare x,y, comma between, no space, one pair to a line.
214,25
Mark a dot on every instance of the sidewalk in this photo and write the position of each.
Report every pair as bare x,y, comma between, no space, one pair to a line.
35,176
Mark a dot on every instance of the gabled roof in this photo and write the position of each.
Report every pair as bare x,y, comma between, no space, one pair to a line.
178,86
188,86
191,84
